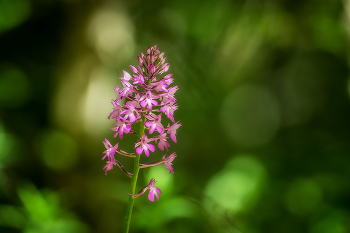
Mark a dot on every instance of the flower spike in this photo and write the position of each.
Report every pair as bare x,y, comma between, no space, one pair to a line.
146,97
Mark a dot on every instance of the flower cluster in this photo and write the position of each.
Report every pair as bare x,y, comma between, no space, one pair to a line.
145,97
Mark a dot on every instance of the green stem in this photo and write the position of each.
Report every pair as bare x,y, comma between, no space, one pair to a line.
134,180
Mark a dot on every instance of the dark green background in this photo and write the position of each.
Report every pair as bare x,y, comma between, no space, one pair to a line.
263,102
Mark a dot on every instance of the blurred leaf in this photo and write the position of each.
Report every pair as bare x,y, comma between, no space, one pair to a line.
237,186
303,196
13,13
58,149
12,216
45,214
14,86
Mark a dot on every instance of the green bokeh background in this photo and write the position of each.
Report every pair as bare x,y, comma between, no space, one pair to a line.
263,102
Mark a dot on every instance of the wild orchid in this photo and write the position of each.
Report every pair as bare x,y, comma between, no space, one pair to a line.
147,96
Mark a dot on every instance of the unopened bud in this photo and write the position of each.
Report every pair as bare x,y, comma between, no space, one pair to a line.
166,67
140,60
152,68
162,61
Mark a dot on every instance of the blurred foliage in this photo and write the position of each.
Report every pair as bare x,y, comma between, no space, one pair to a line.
13,13
40,213
263,102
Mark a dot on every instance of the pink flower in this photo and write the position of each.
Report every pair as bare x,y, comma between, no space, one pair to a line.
168,162
169,96
135,103
126,77
130,112
126,90
168,80
168,77
172,131
122,127
161,86
153,191
139,79
169,111
115,111
144,146
148,100
110,150
163,142
155,124
109,166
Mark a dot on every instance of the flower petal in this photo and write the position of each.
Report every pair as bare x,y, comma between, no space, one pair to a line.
173,137
151,196
146,152
139,150
151,147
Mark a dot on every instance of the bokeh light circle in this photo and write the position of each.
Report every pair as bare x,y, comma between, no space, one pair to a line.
250,115
237,186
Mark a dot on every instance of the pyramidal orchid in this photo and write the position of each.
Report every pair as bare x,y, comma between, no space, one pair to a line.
147,102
